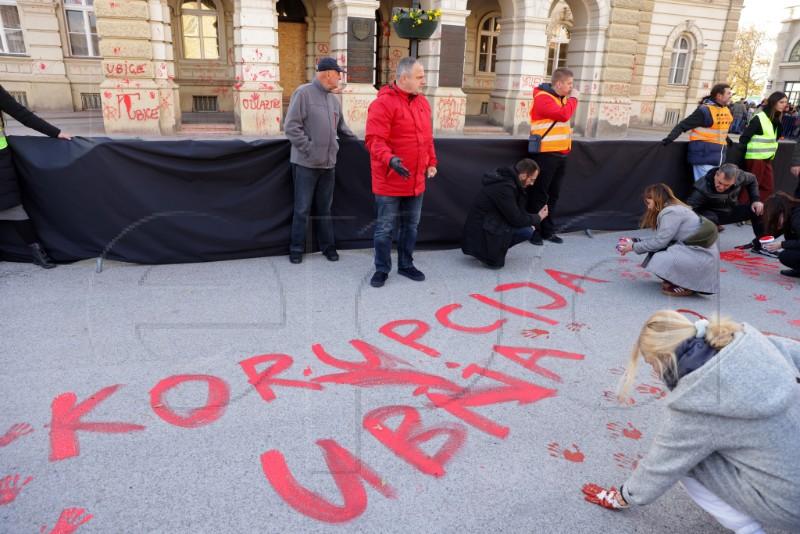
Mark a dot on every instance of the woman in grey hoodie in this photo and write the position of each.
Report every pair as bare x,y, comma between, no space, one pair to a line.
732,423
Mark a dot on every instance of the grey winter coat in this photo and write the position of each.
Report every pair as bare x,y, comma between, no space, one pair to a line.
312,122
694,268
734,426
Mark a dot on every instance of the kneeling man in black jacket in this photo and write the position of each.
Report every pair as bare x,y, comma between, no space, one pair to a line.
498,220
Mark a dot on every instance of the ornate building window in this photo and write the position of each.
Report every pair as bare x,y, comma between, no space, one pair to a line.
200,29
82,28
488,33
557,46
681,61
794,56
11,41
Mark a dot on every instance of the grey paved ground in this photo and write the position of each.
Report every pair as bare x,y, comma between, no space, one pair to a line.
74,330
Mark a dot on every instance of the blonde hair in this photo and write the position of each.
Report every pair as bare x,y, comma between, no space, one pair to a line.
661,334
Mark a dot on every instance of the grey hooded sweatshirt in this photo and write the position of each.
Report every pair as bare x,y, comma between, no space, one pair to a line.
734,426
312,122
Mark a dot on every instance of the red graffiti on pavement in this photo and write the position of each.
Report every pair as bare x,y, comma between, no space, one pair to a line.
625,461
70,521
654,391
216,402
534,333
15,432
10,488
618,430
575,455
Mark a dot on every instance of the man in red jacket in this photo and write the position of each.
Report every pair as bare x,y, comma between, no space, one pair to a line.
399,138
553,106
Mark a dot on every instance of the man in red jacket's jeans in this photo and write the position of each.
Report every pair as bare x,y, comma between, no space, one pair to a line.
553,106
399,138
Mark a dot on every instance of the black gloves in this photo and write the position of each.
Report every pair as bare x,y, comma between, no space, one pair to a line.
397,166
666,141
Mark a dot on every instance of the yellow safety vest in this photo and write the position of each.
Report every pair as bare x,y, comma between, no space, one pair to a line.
763,146
3,140
559,138
718,131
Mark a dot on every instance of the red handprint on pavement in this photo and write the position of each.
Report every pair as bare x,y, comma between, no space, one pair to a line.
627,462
628,431
575,326
535,332
617,371
655,391
69,521
556,451
610,396
760,298
10,488
16,431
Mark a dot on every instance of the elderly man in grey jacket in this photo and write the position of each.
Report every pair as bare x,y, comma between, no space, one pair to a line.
312,123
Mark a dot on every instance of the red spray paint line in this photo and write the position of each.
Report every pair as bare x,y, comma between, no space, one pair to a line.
216,402
452,365
776,312
410,340
534,333
347,471
266,379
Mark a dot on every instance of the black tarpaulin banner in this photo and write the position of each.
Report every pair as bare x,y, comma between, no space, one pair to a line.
157,202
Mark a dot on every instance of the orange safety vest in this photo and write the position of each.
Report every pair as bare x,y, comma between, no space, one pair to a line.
559,138
718,131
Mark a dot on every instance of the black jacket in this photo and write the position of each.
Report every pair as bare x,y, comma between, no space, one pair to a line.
705,196
796,155
498,210
699,152
791,231
754,128
9,189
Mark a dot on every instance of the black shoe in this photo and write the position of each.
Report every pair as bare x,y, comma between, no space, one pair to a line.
40,256
794,273
413,273
554,239
536,239
378,279
331,254
295,257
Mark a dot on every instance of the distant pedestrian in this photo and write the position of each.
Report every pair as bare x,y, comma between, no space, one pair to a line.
709,125
739,110
313,121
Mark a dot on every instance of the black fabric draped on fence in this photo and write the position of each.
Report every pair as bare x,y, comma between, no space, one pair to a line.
185,201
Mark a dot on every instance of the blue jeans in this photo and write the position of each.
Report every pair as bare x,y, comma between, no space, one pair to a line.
312,187
401,214
520,235
701,170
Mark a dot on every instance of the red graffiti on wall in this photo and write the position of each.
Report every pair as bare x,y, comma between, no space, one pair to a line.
255,102
125,68
450,112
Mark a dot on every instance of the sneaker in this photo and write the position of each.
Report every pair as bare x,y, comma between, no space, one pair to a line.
536,239
295,257
413,273
763,252
331,254
794,273
555,239
378,279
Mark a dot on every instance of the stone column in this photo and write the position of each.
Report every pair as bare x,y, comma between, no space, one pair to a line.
353,34
43,71
319,41
442,57
521,58
728,40
132,35
257,94
613,105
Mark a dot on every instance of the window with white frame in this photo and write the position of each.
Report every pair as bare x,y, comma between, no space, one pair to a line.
794,56
488,34
82,28
557,47
199,26
11,41
681,61
792,90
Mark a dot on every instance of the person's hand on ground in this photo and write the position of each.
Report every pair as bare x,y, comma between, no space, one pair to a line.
607,498
775,246
431,172
757,207
397,166
544,212
62,135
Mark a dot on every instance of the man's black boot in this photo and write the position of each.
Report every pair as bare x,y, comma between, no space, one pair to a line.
40,256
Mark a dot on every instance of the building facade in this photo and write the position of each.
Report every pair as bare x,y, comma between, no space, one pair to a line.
784,73
151,64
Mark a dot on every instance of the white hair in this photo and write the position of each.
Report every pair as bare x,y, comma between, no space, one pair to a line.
405,65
